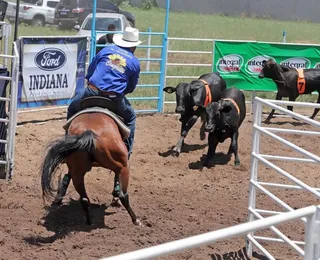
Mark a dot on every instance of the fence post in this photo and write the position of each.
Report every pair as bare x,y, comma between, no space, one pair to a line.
148,50
284,34
257,113
165,77
253,95
164,57
312,237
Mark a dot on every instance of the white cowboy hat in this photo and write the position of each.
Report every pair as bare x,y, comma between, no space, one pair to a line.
129,38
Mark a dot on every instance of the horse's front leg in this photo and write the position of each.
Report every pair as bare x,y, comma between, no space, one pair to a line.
124,196
185,127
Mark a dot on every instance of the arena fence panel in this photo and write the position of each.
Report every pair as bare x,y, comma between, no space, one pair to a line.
312,213
259,158
148,97
8,103
309,249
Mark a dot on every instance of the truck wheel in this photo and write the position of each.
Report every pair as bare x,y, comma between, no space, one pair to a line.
38,21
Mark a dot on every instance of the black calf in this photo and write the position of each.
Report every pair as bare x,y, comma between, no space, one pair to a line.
223,121
286,79
192,98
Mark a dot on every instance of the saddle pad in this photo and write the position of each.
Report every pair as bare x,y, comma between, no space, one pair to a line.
124,130
301,83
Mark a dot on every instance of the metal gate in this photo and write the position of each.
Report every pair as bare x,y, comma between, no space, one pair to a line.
8,103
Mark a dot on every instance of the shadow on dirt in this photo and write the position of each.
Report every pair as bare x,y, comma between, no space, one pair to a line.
219,159
187,148
238,255
69,218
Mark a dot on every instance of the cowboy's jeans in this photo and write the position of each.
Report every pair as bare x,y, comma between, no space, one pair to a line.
124,110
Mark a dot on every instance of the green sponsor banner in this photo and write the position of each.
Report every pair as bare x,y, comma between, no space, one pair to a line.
240,63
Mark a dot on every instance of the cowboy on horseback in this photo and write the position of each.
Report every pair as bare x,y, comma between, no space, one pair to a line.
113,73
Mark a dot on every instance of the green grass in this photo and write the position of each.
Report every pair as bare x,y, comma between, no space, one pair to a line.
192,25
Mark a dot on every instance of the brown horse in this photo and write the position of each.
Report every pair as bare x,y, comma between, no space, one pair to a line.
93,140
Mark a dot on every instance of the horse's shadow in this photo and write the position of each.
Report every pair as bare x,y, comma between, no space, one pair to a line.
187,148
69,218
219,159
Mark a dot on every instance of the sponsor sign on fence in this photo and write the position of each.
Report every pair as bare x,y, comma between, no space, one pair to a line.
52,69
240,63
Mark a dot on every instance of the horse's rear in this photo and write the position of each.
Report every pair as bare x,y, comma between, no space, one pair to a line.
110,153
93,139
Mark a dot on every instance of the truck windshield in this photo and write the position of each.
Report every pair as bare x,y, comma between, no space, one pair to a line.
102,23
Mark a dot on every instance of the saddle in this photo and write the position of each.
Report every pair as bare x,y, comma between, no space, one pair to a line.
103,105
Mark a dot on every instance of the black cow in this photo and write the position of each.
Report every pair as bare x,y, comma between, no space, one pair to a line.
223,121
191,100
286,79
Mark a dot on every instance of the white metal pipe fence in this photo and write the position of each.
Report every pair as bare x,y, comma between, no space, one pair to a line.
309,249
257,158
189,56
10,119
312,213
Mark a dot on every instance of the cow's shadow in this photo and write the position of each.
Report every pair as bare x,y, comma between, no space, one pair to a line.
219,159
293,123
238,255
69,218
187,148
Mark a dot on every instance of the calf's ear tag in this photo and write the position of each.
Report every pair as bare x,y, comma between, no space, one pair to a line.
195,108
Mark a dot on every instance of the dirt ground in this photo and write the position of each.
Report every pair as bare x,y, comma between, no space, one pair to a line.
173,197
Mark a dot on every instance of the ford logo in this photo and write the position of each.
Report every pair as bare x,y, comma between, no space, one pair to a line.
50,59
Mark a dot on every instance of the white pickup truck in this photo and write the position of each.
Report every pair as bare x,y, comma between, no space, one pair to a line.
37,14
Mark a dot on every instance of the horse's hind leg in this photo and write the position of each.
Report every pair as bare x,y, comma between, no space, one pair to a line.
62,189
116,191
124,197
78,182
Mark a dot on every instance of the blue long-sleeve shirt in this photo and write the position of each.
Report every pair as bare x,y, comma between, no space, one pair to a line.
114,69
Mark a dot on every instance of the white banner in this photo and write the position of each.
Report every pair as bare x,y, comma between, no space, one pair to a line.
49,71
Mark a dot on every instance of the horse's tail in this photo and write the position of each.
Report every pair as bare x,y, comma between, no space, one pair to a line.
58,151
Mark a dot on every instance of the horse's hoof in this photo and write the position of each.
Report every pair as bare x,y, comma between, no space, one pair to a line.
206,163
236,163
176,152
115,203
138,223
116,194
202,136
